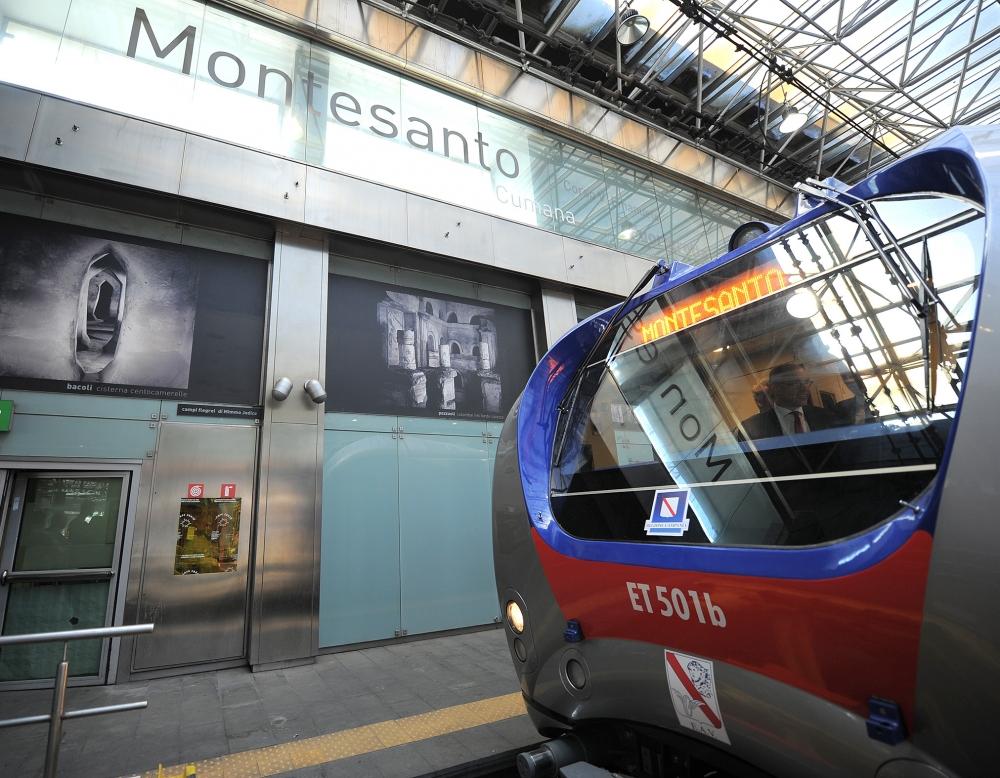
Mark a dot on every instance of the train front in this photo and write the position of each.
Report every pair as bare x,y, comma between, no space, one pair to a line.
723,537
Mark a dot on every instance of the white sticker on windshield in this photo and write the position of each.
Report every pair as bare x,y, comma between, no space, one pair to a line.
668,516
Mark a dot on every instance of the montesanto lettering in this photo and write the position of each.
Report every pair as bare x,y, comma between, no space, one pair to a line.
342,106
727,296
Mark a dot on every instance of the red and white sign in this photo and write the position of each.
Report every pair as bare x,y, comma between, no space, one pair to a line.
227,490
691,680
196,491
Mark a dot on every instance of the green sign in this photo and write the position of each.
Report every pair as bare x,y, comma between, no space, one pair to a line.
6,414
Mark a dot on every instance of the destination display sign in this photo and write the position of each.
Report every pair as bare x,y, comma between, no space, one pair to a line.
733,293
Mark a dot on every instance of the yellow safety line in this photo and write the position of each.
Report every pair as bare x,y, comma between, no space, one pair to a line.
298,754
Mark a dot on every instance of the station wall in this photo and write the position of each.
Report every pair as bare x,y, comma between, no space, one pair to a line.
411,551
367,519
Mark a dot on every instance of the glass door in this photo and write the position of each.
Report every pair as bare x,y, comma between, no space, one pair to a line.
59,557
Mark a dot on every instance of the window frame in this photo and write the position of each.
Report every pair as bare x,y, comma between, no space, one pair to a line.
747,253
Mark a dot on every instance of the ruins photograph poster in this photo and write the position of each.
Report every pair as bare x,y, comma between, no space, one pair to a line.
392,350
91,312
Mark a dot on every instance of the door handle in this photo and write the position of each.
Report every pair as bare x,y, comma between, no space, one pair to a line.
43,576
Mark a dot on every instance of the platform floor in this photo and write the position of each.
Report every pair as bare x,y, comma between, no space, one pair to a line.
395,711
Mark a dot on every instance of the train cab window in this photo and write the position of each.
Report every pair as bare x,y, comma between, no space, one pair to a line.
795,395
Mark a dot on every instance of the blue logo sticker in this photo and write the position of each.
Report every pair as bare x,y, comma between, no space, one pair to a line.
668,518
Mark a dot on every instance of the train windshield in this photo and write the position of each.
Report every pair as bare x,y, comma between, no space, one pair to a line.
796,395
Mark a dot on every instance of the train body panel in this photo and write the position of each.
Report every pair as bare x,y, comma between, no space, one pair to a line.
843,639
822,600
958,678
777,728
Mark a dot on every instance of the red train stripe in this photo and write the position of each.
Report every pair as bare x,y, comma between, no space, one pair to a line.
844,639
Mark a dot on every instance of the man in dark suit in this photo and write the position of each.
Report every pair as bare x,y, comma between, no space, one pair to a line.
791,414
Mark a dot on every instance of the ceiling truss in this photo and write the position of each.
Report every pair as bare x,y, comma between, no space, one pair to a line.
875,77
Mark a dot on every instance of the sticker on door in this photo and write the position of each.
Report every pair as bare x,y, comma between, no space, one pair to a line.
208,536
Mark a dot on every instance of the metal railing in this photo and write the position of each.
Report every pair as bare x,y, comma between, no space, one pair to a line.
59,712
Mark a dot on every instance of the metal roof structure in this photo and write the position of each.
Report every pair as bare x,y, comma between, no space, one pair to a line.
874,78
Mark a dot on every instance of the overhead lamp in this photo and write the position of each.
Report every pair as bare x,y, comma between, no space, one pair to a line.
802,304
631,27
628,231
791,120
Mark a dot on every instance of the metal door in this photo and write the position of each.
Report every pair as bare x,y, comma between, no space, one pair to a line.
58,562
197,555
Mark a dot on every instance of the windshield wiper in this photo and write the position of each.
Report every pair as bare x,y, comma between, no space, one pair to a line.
569,399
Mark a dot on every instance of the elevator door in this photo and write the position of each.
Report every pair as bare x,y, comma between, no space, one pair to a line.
195,570
58,565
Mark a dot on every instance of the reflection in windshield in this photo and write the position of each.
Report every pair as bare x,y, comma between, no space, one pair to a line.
789,411
798,415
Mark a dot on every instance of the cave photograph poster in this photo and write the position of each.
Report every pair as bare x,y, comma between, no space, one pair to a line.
410,352
98,313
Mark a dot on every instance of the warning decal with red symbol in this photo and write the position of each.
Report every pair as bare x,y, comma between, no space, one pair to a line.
692,691
196,491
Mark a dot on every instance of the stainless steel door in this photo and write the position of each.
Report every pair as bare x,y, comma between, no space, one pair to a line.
194,578
60,555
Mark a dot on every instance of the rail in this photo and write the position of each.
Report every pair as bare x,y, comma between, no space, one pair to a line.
59,713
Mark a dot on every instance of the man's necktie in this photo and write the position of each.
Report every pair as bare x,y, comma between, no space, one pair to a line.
798,422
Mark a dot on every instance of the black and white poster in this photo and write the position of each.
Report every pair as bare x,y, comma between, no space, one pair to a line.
97,313
410,352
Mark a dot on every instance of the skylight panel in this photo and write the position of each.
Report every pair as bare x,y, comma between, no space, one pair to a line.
589,18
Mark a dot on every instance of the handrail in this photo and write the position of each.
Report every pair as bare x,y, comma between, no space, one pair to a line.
59,712
76,634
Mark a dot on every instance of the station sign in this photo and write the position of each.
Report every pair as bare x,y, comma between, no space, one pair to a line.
6,414
199,68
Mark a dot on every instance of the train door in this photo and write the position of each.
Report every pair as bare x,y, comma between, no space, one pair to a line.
59,568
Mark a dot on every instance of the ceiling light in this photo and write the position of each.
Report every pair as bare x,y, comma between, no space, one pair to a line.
628,232
791,120
632,27
802,305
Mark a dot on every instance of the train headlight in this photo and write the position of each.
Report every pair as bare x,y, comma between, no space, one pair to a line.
515,617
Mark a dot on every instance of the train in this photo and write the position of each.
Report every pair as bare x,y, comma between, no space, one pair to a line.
745,523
